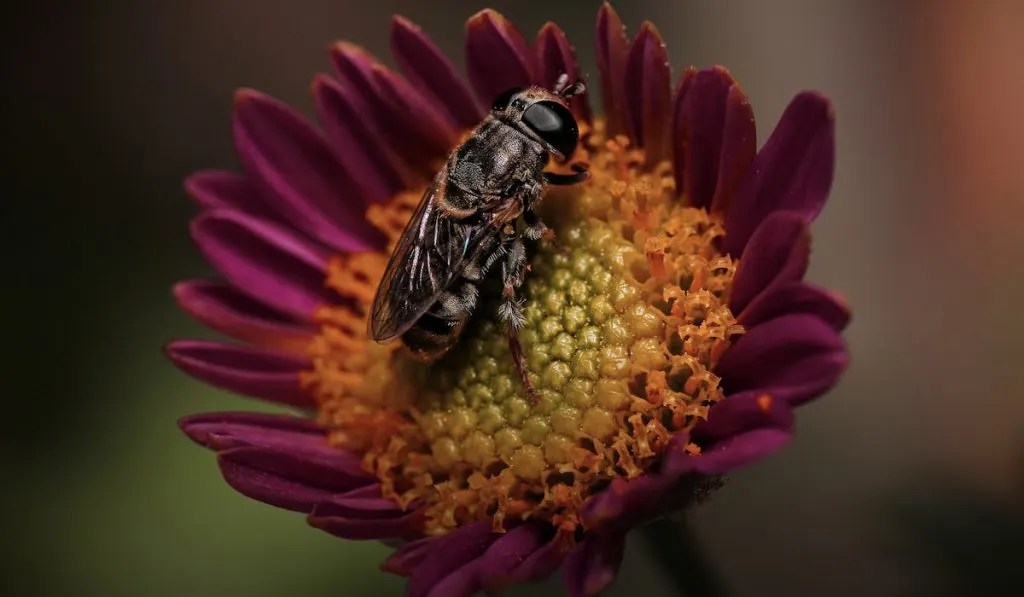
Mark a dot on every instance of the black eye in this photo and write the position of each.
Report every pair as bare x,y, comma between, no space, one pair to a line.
554,124
502,102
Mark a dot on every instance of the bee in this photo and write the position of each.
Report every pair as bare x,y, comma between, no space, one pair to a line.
474,215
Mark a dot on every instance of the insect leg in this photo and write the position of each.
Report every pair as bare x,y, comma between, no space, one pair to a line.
511,310
580,174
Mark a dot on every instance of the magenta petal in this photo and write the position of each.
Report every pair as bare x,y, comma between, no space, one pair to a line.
796,297
742,412
426,128
272,264
555,56
287,156
459,549
794,358
224,308
214,189
649,94
426,67
245,370
355,138
405,526
226,430
793,171
497,56
680,126
778,253
627,503
409,556
739,146
704,114
291,480
731,453
502,563
592,565
611,43
542,562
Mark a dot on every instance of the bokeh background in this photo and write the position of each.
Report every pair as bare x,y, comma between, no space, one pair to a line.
908,479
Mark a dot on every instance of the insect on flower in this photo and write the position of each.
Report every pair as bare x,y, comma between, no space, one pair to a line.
468,220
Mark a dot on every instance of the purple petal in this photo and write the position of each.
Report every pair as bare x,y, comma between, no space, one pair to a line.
731,453
719,135
627,503
592,565
214,189
291,480
778,253
245,370
223,308
426,67
796,297
611,44
649,93
542,562
227,430
408,557
406,526
739,146
795,357
427,129
459,549
269,263
355,68
742,412
497,56
555,55
287,156
793,171
502,563
680,134
355,138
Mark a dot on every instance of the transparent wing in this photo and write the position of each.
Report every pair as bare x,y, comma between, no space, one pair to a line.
424,263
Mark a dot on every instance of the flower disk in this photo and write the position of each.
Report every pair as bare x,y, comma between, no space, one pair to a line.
626,315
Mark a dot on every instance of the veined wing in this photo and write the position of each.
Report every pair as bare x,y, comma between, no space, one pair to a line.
427,258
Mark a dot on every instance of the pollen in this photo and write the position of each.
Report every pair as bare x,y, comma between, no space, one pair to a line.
625,317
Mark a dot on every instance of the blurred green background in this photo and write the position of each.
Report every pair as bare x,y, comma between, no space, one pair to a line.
905,480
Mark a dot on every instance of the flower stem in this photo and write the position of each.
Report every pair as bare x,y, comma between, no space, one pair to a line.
675,548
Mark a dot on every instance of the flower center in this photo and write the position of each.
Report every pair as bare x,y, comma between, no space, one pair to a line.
625,318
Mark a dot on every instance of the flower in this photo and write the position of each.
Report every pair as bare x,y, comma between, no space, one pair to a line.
670,335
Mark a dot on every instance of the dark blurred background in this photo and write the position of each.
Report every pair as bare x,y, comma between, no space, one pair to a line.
908,479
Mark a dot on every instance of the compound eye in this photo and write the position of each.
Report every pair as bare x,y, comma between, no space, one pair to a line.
505,98
555,125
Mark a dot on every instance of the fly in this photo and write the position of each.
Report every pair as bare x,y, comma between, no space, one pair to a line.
468,221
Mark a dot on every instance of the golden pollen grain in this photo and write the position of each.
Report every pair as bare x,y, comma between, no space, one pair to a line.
624,318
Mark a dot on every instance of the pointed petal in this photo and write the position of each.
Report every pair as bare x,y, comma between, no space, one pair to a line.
283,153
291,480
739,146
427,130
459,549
591,567
355,68
738,413
501,565
680,134
793,171
245,370
611,45
354,136
405,526
409,556
555,55
731,453
497,56
780,252
649,93
214,189
224,308
227,430
267,262
426,67
797,297
720,138
794,358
